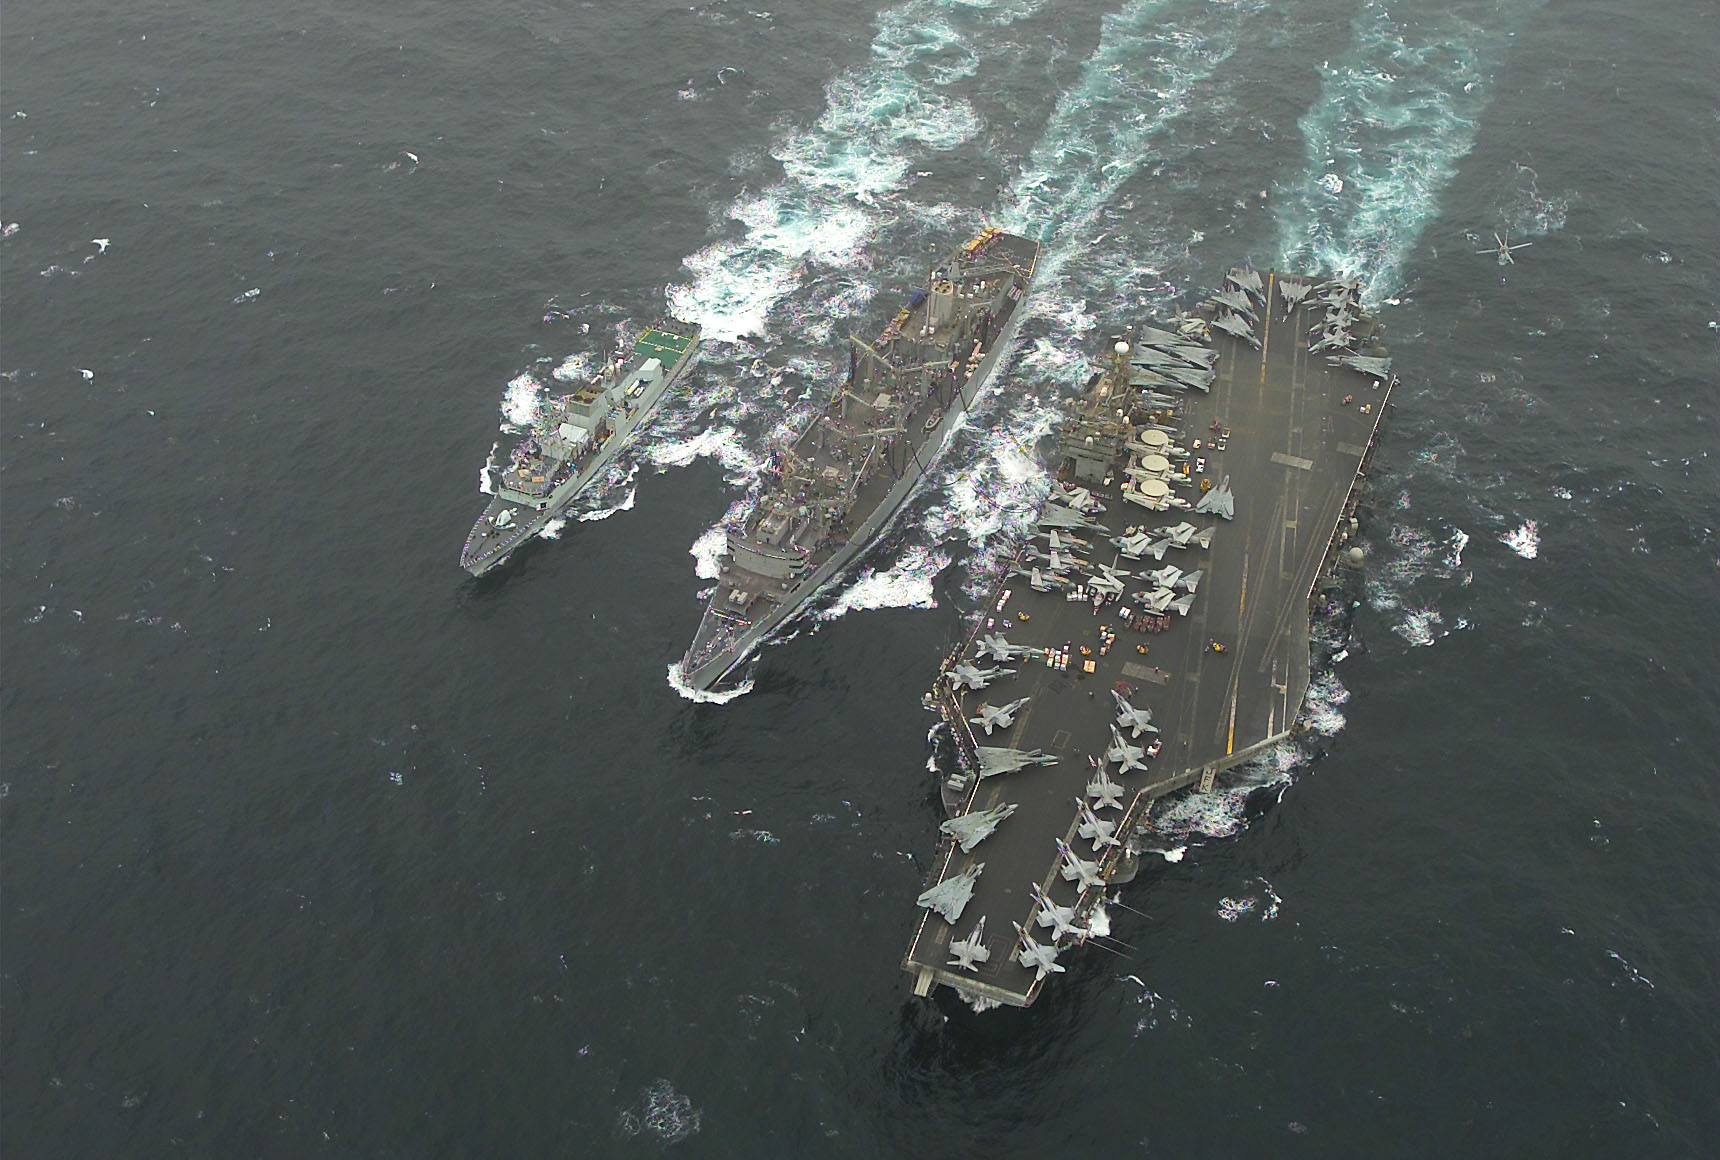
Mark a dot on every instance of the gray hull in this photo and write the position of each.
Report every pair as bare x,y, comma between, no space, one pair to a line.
724,663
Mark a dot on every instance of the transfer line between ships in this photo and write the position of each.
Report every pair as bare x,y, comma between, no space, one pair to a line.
1154,629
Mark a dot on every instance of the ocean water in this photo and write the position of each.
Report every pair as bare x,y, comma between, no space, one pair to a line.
312,845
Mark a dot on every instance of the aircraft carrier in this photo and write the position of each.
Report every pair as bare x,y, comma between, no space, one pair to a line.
835,488
573,437
1153,631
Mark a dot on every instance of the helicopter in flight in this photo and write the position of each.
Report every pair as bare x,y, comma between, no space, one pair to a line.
1503,247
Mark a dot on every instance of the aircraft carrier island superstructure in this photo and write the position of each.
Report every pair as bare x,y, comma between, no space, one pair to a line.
1153,631
572,438
835,488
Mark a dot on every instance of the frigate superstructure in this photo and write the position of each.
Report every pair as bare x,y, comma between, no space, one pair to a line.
830,492
1154,629
572,438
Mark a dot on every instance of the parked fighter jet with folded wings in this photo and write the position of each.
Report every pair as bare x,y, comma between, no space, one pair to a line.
1107,579
1165,577
998,717
1180,535
1076,497
1232,325
1157,600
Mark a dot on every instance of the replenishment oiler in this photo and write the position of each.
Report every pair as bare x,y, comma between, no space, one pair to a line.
573,437
836,486
1153,631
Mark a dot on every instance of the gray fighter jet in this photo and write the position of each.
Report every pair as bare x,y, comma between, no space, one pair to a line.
1107,579
1247,279
1061,919
1165,577
1105,791
1121,751
1042,581
968,676
1076,497
998,717
1197,356
1236,327
995,647
1294,291
1157,600
994,760
1137,721
1056,515
1077,868
971,829
1036,956
1062,540
1094,828
971,950
951,895
1219,501
1180,535
1134,546
1379,368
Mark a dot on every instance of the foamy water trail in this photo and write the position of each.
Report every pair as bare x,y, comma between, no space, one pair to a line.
877,120
1395,116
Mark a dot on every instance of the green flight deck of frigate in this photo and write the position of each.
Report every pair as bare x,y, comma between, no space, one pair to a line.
1153,631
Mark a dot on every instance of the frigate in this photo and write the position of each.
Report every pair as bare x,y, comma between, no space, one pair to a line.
572,438
1153,630
830,492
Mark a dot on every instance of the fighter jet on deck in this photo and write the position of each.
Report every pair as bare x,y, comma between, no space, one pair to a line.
1157,600
1095,829
968,676
1219,501
1138,721
971,829
1036,956
1165,577
1061,919
1062,541
1055,515
1121,751
995,647
951,895
1107,579
1135,546
1237,328
1077,868
993,716
970,950
994,760
1105,791
1077,497
1294,291
1180,535
1041,581
1238,303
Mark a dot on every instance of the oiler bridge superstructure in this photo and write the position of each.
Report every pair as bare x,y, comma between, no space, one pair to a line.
835,488
1154,630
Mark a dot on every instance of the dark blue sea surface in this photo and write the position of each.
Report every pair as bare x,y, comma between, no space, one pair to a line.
312,845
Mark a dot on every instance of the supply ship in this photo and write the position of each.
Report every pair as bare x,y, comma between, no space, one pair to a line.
573,437
836,486
1153,631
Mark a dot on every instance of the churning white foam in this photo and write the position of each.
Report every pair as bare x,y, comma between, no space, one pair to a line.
1525,539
